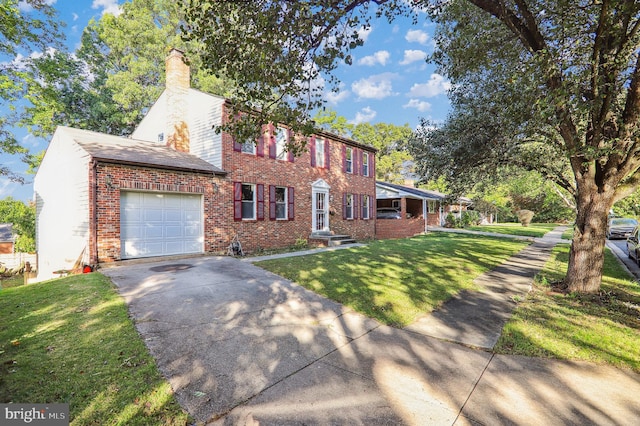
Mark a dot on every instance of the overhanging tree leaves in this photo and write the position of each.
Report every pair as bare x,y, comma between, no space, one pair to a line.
20,33
562,76
280,53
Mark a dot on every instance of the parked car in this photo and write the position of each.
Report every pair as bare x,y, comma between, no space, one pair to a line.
388,213
633,245
620,227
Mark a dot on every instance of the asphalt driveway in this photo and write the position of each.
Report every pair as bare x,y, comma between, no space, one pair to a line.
240,345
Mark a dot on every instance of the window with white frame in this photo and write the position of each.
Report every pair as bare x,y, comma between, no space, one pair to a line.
282,139
395,204
348,161
348,209
281,203
248,201
365,206
431,206
365,164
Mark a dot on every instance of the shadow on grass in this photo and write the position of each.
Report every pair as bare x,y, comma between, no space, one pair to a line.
396,281
603,327
71,341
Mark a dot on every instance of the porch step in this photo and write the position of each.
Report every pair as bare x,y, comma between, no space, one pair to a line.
329,240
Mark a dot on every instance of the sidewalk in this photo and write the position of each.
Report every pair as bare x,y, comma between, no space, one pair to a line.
476,318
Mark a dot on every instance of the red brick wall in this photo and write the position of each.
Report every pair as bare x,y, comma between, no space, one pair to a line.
254,169
219,224
105,224
399,228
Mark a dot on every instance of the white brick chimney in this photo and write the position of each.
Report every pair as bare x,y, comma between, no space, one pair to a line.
177,88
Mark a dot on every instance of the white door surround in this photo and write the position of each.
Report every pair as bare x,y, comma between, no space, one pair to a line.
320,206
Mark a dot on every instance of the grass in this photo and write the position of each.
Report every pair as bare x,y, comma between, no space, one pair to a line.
533,230
71,341
12,281
396,281
602,327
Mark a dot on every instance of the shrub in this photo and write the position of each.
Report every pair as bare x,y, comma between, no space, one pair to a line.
525,216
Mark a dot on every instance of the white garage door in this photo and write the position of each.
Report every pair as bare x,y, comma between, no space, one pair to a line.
153,224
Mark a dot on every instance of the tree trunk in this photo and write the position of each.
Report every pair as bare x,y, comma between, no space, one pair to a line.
586,257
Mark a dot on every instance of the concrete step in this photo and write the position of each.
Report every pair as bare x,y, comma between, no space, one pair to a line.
332,240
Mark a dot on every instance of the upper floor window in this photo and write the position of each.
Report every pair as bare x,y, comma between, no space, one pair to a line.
320,152
365,164
348,160
282,139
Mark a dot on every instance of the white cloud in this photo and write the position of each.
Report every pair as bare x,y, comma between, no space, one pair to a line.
417,36
436,85
108,6
364,115
422,106
374,87
380,57
334,98
413,56
26,7
364,33
75,16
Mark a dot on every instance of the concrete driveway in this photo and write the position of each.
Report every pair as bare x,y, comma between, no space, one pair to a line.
240,345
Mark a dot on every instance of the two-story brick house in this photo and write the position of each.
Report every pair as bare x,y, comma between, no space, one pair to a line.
178,187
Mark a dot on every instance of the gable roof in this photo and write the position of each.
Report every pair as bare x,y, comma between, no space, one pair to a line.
121,150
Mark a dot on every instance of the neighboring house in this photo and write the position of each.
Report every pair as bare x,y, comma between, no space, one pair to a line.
419,209
178,187
7,238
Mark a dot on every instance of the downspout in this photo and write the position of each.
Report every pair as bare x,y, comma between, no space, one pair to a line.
93,221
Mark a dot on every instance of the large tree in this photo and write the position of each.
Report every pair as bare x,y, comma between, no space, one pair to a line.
116,74
26,27
565,73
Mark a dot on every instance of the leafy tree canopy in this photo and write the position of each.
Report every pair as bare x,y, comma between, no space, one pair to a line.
116,74
23,218
280,53
389,139
25,27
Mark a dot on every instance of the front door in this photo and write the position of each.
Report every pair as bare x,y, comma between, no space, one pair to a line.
320,206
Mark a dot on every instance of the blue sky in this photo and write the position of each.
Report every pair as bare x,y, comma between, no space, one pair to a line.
389,80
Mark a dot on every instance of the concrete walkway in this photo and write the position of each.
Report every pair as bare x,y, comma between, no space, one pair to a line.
476,318
240,345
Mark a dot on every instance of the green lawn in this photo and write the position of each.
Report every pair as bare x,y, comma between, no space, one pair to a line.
533,230
396,281
603,327
71,341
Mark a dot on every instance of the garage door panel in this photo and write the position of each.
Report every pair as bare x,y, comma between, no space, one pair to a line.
160,224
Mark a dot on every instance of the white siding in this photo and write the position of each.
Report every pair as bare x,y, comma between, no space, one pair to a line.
153,123
61,189
204,112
